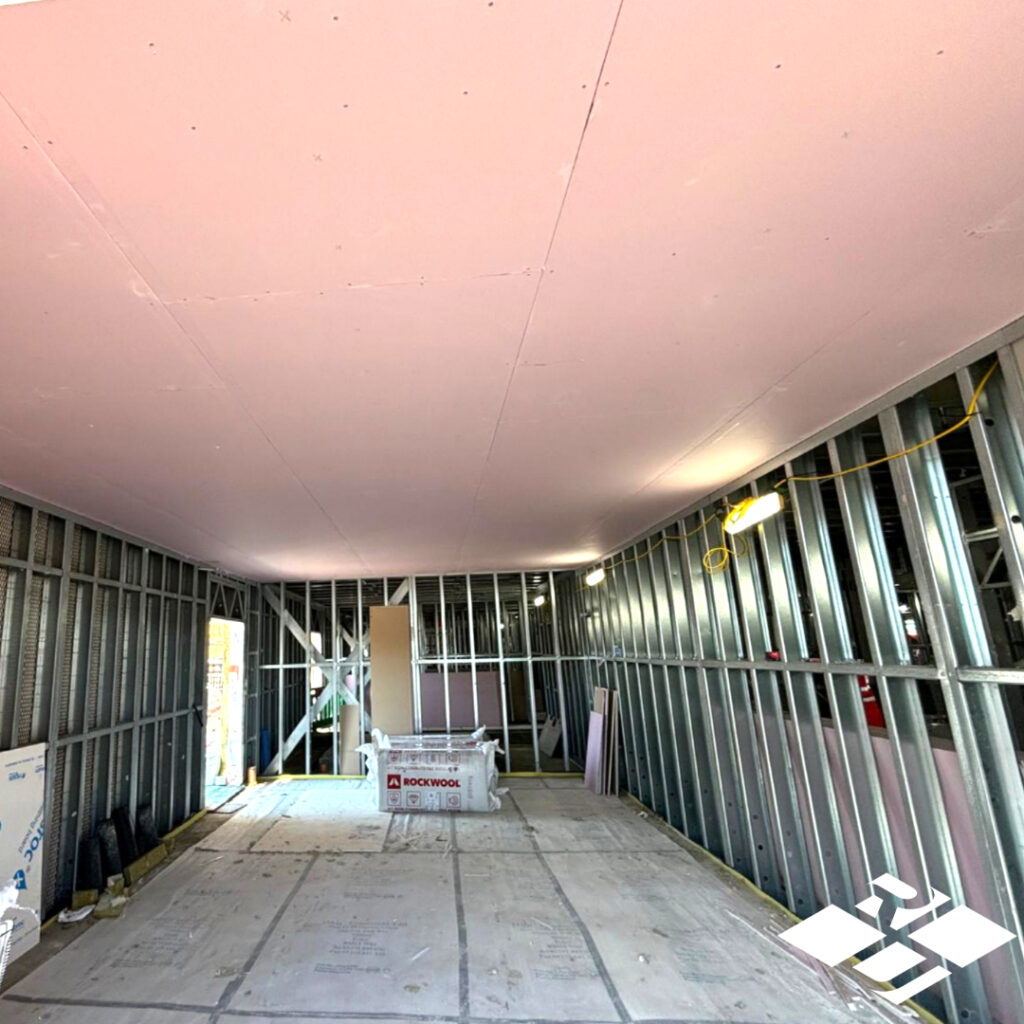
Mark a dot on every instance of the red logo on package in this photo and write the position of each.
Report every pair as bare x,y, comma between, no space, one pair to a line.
394,782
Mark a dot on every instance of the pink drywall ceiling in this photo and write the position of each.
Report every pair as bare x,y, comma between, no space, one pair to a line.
353,288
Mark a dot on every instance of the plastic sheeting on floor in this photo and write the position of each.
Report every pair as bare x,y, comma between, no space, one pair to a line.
562,906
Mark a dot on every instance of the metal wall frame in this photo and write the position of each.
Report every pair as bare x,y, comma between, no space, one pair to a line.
103,657
743,722
460,624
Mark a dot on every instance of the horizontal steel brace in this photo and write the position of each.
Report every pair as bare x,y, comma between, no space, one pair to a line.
1002,676
844,668
112,730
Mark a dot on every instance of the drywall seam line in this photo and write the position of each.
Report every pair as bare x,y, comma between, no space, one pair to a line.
536,290
583,133
595,955
460,919
358,286
236,983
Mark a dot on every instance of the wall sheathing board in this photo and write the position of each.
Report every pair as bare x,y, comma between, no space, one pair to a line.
391,668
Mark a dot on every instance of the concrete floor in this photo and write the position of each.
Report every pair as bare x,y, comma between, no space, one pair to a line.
308,905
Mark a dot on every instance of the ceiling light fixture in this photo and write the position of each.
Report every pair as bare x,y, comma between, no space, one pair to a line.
593,578
539,600
751,511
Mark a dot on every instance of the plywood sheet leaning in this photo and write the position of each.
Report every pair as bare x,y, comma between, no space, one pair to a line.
601,774
593,775
349,762
391,668
611,746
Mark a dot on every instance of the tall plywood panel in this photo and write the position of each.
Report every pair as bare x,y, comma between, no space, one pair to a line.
391,669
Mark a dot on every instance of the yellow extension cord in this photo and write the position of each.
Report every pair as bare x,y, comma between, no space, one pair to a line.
972,409
716,559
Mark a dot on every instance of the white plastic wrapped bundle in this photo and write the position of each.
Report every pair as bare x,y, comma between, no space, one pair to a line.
416,773
6,931
8,901
433,739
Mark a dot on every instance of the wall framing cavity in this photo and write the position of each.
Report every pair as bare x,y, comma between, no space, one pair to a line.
744,721
102,657
484,652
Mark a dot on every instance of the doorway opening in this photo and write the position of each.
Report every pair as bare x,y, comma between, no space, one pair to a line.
225,684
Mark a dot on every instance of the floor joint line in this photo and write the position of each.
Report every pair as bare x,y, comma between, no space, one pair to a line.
236,983
599,964
460,918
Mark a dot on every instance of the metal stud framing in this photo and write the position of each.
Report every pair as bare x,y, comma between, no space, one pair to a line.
103,657
743,714
461,626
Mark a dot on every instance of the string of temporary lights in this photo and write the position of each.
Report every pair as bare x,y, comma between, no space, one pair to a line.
734,519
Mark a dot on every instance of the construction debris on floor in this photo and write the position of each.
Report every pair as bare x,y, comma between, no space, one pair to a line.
308,904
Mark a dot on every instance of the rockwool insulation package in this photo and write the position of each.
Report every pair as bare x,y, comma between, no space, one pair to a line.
459,775
432,740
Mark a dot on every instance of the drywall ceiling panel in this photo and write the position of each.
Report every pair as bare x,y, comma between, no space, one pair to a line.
878,339
188,454
388,411
304,146
371,351
446,297
57,477
703,259
77,316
